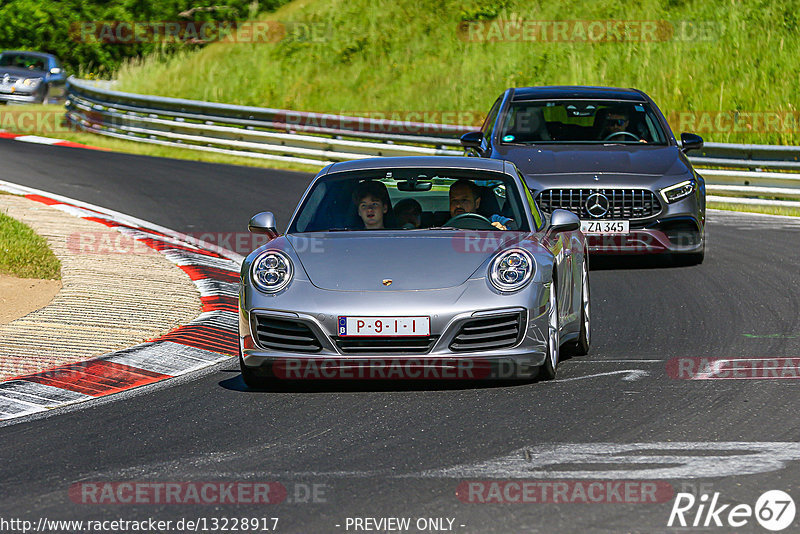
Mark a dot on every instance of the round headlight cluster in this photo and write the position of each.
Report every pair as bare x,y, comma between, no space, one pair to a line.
512,270
271,271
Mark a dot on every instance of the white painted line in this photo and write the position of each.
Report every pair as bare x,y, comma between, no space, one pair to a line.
38,140
630,375
616,361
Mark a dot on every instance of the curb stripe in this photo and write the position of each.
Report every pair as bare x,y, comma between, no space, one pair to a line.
39,140
211,337
96,377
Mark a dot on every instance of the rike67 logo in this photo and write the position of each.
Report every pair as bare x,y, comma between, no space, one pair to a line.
774,510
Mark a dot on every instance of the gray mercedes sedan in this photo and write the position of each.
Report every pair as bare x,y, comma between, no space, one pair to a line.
607,155
415,268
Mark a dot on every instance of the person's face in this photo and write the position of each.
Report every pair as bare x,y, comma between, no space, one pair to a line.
371,210
410,216
462,200
616,122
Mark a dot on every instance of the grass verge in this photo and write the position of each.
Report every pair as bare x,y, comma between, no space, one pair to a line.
768,210
24,253
369,56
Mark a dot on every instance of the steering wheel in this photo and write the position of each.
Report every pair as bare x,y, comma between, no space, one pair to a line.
609,136
470,221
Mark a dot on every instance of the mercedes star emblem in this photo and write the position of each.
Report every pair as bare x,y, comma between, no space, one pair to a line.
597,205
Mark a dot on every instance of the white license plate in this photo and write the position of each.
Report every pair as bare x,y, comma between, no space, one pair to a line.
384,326
605,227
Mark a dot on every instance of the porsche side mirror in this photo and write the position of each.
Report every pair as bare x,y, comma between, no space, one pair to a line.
690,141
263,223
564,221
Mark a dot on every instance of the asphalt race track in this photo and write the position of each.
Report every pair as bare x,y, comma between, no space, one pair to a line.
402,450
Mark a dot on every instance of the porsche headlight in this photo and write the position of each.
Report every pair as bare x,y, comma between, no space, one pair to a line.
271,271
511,270
678,191
30,82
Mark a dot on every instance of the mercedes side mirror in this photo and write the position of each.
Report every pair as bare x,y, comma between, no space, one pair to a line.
473,140
690,141
263,223
564,221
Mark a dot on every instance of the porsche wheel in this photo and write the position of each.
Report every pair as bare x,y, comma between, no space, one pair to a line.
580,347
548,370
251,379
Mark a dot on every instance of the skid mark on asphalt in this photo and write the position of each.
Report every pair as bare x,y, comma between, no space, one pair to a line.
658,460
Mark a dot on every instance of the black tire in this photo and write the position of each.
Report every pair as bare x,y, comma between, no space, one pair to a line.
547,371
43,99
251,379
580,347
685,260
696,258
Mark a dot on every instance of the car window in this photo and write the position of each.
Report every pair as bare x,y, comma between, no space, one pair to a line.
488,123
581,121
23,61
410,199
535,211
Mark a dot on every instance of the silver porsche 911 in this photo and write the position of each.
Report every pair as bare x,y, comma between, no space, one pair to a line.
420,267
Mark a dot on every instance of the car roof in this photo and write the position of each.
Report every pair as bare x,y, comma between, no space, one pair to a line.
442,162
558,92
29,53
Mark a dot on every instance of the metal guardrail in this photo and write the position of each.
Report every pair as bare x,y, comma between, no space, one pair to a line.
318,139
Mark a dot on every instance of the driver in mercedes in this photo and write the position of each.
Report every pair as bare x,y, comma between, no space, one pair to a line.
465,198
616,125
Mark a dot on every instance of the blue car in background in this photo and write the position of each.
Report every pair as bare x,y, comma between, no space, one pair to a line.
30,77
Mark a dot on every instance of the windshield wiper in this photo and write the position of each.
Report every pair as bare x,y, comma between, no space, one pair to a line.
441,228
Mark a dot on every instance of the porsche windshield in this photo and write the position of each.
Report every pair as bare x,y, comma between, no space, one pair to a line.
581,121
412,199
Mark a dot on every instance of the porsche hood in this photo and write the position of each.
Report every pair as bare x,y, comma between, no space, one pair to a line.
410,260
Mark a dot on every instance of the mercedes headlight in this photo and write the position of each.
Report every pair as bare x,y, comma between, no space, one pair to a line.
678,191
271,271
512,270
30,82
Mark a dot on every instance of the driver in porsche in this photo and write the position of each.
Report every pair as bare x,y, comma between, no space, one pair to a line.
465,198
